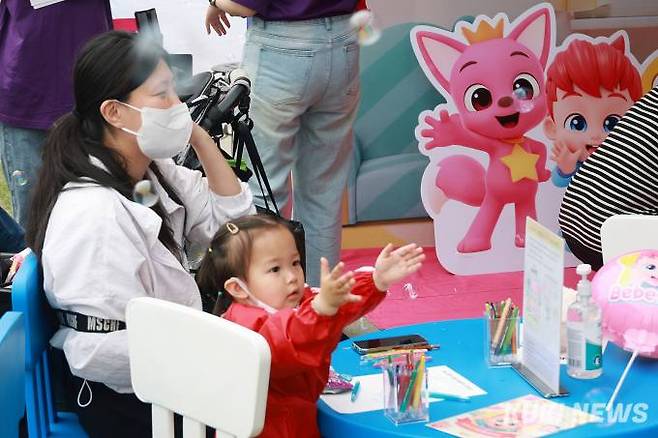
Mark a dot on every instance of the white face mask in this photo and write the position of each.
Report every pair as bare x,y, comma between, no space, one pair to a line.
266,307
164,132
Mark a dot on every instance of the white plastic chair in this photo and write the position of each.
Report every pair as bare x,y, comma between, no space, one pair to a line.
621,234
207,369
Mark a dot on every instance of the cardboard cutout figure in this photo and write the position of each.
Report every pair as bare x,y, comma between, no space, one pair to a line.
513,97
589,86
494,74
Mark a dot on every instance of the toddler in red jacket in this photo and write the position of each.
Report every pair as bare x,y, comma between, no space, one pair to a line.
254,263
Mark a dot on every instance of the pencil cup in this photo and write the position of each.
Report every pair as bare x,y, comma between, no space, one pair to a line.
406,399
501,340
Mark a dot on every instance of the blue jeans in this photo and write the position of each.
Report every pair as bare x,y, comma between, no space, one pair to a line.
20,150
305,94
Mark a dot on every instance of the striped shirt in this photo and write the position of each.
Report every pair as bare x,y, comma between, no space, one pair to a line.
621,177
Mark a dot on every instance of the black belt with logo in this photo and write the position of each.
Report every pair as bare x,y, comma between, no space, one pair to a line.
88,324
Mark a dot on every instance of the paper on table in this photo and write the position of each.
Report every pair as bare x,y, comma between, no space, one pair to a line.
445,379
371,395
543,274
527,416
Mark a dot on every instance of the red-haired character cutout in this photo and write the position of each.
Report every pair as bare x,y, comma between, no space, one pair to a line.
589,87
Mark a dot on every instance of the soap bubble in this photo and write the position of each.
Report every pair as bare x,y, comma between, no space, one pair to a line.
19,177
599,394
522,102
363,22
526,107
594,403
410,290
143,194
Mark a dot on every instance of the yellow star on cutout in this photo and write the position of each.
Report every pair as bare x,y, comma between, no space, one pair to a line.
521,164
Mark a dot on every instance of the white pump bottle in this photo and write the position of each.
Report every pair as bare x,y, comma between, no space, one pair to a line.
584,331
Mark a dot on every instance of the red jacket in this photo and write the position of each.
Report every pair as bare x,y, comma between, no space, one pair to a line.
301,342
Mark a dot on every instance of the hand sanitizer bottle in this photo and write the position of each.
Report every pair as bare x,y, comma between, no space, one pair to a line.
584,331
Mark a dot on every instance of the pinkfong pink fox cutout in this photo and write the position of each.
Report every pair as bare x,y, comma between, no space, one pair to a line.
486,69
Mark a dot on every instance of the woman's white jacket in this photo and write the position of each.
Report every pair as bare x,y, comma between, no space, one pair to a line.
101,250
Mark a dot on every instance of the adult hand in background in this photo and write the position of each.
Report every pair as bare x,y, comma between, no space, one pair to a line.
216,15
217,19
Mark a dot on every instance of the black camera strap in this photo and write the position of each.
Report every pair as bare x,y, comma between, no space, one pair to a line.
88,324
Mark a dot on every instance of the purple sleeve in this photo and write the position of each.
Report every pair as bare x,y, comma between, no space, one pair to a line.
260,6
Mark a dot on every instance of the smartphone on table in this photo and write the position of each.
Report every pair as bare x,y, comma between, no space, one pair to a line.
383,344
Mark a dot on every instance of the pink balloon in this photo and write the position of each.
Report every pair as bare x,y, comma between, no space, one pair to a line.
626,288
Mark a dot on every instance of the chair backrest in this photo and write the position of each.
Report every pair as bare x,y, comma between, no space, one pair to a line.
394,90
29,298
621,234
387,166
12,373
205,368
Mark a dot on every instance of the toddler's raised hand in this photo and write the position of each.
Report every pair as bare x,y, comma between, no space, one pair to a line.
392,266
335,288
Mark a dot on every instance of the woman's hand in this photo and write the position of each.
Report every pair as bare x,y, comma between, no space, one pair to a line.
221,178
200,137
392,266
335,288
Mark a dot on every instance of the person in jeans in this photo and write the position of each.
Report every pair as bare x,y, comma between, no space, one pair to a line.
302,57
37,51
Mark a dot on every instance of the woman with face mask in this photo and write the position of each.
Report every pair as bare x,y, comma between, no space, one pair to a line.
99,243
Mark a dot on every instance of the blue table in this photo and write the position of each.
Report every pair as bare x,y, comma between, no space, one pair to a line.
462,349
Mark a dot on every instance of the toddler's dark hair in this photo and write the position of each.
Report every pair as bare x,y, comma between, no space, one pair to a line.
229,254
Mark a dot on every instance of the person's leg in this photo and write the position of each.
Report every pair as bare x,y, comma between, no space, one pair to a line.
325,151
109,413
20,150
12,237
583,253
279,73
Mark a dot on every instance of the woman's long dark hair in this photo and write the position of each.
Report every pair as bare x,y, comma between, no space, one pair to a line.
110,66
